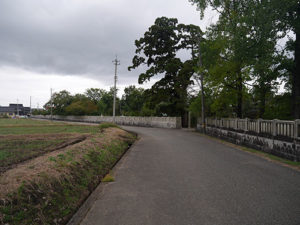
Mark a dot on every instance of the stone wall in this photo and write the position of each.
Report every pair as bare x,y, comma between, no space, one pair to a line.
161,122
287,146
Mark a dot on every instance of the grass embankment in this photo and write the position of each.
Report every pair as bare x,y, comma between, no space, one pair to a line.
49,188
267,156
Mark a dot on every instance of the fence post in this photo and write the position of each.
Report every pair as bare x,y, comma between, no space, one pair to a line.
246,124
236,124
296,128
274,127
258,126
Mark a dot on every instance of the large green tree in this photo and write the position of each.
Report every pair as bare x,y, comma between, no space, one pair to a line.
105,104
158,51
82,107
132,101
229,68
60,101
94,94
253,29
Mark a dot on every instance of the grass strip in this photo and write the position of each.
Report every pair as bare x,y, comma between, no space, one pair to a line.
268,156
51,200
19,130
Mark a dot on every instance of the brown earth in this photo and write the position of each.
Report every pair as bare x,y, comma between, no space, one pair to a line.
41,166
67,139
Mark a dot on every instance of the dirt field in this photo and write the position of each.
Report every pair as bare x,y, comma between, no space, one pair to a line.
47,169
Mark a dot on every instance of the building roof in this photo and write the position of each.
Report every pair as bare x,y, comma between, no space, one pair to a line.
6,109
16,105
12,108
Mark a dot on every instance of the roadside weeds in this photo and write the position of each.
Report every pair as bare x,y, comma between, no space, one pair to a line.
51,199
264,155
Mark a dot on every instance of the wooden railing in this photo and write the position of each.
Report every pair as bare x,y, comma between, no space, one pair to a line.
274,128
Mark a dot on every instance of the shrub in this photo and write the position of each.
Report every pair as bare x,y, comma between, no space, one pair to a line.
103,126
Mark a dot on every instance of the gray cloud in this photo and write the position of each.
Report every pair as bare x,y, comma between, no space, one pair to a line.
80,37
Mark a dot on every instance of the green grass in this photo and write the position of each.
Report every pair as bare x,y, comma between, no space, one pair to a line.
50,199
271,157
54,199
265,155
107,125
18,122
20,148
17,150
108,178
29,126
48,129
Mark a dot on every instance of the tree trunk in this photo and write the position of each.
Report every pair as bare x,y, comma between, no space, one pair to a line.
262,103
262,92
296,75
239,109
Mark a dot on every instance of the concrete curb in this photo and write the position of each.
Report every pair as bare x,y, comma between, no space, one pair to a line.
98,192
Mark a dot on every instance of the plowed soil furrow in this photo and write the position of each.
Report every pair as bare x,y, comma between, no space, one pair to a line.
41,152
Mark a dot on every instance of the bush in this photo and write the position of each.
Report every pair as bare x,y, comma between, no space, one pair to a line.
103,126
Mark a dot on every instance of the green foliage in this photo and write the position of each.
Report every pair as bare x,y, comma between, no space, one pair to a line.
39,112
93,102
278,107
17,150
147,110
60,101
105,105
158,49
108,178
103,126
94,94
53,199
242,46
82,107
4,116
28,126
132,101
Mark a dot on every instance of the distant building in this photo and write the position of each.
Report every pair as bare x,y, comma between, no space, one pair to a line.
12,110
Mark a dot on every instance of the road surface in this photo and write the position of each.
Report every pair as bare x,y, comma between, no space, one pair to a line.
176,177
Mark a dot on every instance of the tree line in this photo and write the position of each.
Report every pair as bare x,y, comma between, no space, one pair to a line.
96,101
248,59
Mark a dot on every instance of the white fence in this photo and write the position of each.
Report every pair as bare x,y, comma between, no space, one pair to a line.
275,128
162,122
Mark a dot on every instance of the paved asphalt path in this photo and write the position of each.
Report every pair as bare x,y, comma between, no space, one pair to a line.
176,177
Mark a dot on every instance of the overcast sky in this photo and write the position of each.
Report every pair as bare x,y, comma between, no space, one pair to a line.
70,44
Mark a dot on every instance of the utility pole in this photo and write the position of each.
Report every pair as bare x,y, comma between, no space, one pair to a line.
116,62
201,86
30,106
18,107
51,102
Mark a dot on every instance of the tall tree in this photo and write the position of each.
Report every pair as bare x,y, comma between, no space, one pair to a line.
82,107
231,32
132,101
94,94
265,22
157,50
60,101
105,105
